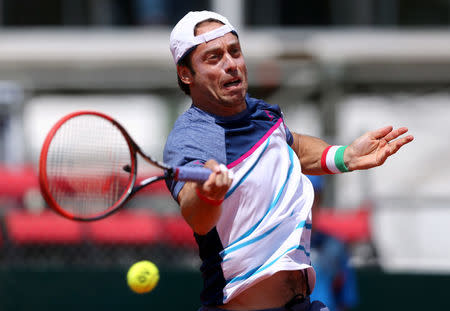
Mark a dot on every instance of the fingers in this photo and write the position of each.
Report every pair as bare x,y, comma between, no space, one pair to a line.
382,132
218,182
221,175
227,175
212,165
392,148
395,133
387,135
395,145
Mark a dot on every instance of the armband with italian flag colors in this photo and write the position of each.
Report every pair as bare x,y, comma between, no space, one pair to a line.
332,160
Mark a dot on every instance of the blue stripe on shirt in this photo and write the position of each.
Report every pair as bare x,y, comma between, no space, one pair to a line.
248,172
272,205
262,268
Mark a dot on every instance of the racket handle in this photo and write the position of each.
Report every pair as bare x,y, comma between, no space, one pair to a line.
186,173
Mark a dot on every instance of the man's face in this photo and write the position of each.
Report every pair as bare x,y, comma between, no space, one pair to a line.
220,82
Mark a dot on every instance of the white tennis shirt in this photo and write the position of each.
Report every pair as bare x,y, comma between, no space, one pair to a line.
265,226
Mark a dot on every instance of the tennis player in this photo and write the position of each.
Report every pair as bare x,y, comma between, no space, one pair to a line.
252,217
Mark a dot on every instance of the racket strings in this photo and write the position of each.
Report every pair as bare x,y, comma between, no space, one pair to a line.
85,165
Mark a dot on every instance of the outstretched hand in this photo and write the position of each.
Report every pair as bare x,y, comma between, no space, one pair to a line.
373,148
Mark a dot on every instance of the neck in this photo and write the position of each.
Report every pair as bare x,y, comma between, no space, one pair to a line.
222,109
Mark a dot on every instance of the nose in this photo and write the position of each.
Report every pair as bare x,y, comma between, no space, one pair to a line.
230,64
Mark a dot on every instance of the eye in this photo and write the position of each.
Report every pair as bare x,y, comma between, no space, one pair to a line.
236,51
213,57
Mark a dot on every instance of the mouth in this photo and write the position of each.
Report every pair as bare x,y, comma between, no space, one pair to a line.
232,83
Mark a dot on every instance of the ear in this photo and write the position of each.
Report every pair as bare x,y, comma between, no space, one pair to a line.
185,74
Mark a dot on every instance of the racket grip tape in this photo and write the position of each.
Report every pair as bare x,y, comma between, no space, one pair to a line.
186,173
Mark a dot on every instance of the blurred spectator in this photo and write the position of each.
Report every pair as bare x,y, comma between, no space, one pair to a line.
11,127
2,134
336,280
151,12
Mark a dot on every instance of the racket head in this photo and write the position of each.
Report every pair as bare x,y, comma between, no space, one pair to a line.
87,166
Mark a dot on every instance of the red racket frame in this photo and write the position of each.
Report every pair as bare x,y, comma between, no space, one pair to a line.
43,179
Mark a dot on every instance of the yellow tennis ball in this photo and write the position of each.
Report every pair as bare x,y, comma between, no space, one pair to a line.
143,276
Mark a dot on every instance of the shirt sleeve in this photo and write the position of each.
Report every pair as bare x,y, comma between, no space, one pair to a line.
289,136
179,152
192,144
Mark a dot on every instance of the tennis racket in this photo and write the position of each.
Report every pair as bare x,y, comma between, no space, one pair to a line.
88,167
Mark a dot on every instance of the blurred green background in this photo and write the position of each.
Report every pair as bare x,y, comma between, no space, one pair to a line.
106,289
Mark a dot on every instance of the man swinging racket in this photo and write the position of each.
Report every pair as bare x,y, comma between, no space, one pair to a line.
252,217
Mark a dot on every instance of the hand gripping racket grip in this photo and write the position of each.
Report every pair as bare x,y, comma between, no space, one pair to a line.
185,173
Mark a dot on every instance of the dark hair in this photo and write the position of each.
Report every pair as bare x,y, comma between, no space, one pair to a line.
186,59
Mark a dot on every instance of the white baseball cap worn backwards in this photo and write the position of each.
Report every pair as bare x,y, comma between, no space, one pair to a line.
182,38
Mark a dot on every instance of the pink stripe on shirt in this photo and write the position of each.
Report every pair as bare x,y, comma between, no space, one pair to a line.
248,153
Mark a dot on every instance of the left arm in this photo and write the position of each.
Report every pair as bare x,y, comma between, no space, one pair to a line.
369,150
309,150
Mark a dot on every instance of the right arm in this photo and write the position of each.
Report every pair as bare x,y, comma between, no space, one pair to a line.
202,214
369,150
